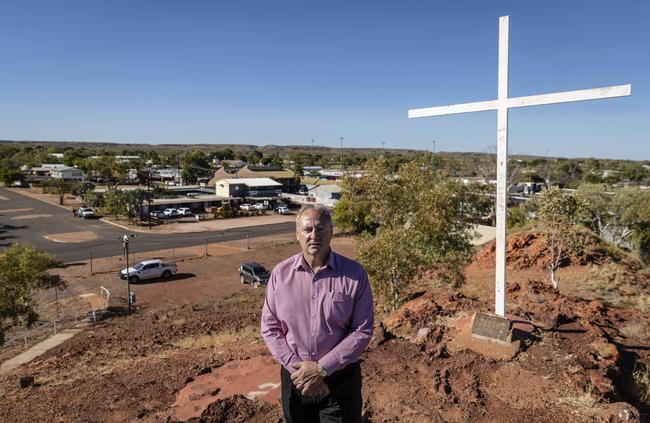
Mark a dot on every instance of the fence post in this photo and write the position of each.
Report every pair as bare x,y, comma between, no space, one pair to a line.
91,262
247,244
206,248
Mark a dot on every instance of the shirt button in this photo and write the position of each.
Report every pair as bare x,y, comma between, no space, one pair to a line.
314,296
313,334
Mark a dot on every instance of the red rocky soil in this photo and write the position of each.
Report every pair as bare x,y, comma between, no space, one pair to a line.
133,368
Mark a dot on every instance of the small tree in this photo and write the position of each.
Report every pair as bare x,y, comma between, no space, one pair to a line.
115,203
422,220
60,187
11,175
23,269
559,214
615,214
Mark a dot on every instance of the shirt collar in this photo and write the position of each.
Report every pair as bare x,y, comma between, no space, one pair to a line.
332,262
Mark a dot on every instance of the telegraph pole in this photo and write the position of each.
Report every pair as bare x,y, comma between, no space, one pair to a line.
125,245
434,153
341,154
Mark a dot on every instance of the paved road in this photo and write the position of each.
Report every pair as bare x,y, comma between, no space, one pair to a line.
39,218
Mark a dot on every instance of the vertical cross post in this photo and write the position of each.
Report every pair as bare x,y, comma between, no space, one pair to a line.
502,167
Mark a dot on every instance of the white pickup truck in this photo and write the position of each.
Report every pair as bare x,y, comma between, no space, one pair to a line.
148,269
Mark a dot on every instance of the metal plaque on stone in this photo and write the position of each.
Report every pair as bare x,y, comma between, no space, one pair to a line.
492,328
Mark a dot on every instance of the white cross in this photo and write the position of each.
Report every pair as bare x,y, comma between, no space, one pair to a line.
501,105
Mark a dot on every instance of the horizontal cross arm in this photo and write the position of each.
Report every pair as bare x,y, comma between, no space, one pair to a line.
571,96
479,106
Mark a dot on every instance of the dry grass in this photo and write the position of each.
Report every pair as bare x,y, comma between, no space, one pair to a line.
641,377
639,302
450,321
249,333
639,331
586,400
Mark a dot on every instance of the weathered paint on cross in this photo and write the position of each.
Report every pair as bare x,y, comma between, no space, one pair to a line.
502,104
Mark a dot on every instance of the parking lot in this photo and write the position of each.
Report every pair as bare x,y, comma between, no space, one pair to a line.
55,229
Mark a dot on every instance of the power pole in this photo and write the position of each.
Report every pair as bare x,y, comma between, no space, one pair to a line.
341,154
149,199
125,245
434,154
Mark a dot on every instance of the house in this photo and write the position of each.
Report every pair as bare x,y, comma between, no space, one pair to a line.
258,188
167,174
67,173
286,177
48,171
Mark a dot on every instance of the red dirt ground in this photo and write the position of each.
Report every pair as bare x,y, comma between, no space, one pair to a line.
577,365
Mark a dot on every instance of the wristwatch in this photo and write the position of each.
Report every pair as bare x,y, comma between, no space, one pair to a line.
321,371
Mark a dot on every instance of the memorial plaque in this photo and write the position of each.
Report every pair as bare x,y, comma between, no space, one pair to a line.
492,328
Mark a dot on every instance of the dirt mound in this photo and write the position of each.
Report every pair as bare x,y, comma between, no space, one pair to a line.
239,409
576,344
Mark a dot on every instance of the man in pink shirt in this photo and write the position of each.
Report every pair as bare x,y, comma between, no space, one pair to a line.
316,321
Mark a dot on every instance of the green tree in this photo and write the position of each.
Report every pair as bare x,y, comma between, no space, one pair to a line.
423,221
23,269
11,175
616,215
84,189
195,165
60,187
115,203
354,217
559,214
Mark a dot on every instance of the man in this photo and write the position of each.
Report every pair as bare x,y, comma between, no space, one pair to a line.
316,321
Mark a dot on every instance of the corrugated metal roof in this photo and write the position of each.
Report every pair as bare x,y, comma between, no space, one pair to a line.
252,182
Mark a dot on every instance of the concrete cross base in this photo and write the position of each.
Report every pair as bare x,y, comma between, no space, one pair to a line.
499,350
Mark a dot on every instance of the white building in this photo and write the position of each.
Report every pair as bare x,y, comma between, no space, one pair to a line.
67,173
248,187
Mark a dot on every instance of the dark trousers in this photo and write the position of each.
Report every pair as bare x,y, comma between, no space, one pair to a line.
342,405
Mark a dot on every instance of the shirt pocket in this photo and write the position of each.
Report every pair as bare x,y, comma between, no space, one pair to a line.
339,310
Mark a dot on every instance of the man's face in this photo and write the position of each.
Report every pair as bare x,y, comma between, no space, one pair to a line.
314,233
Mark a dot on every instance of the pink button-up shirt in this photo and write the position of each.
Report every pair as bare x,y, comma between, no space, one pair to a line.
325,316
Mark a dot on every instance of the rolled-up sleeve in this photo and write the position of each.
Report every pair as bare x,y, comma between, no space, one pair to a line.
361,328
272,330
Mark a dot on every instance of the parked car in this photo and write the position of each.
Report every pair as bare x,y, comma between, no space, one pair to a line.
184,211
85,213
148,269
282,210
253,273
303,190
157,214
170,212
259,206
246,207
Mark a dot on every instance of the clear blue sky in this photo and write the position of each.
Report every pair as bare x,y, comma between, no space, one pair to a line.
284,72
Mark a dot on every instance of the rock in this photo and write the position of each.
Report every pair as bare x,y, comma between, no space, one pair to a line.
618,412
600,382
422,335
204,371
605,350
189,380
26,381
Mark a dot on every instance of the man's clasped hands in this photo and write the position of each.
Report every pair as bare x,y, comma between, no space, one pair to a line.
307,379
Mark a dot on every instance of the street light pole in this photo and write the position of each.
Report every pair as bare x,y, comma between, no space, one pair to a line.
125,244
